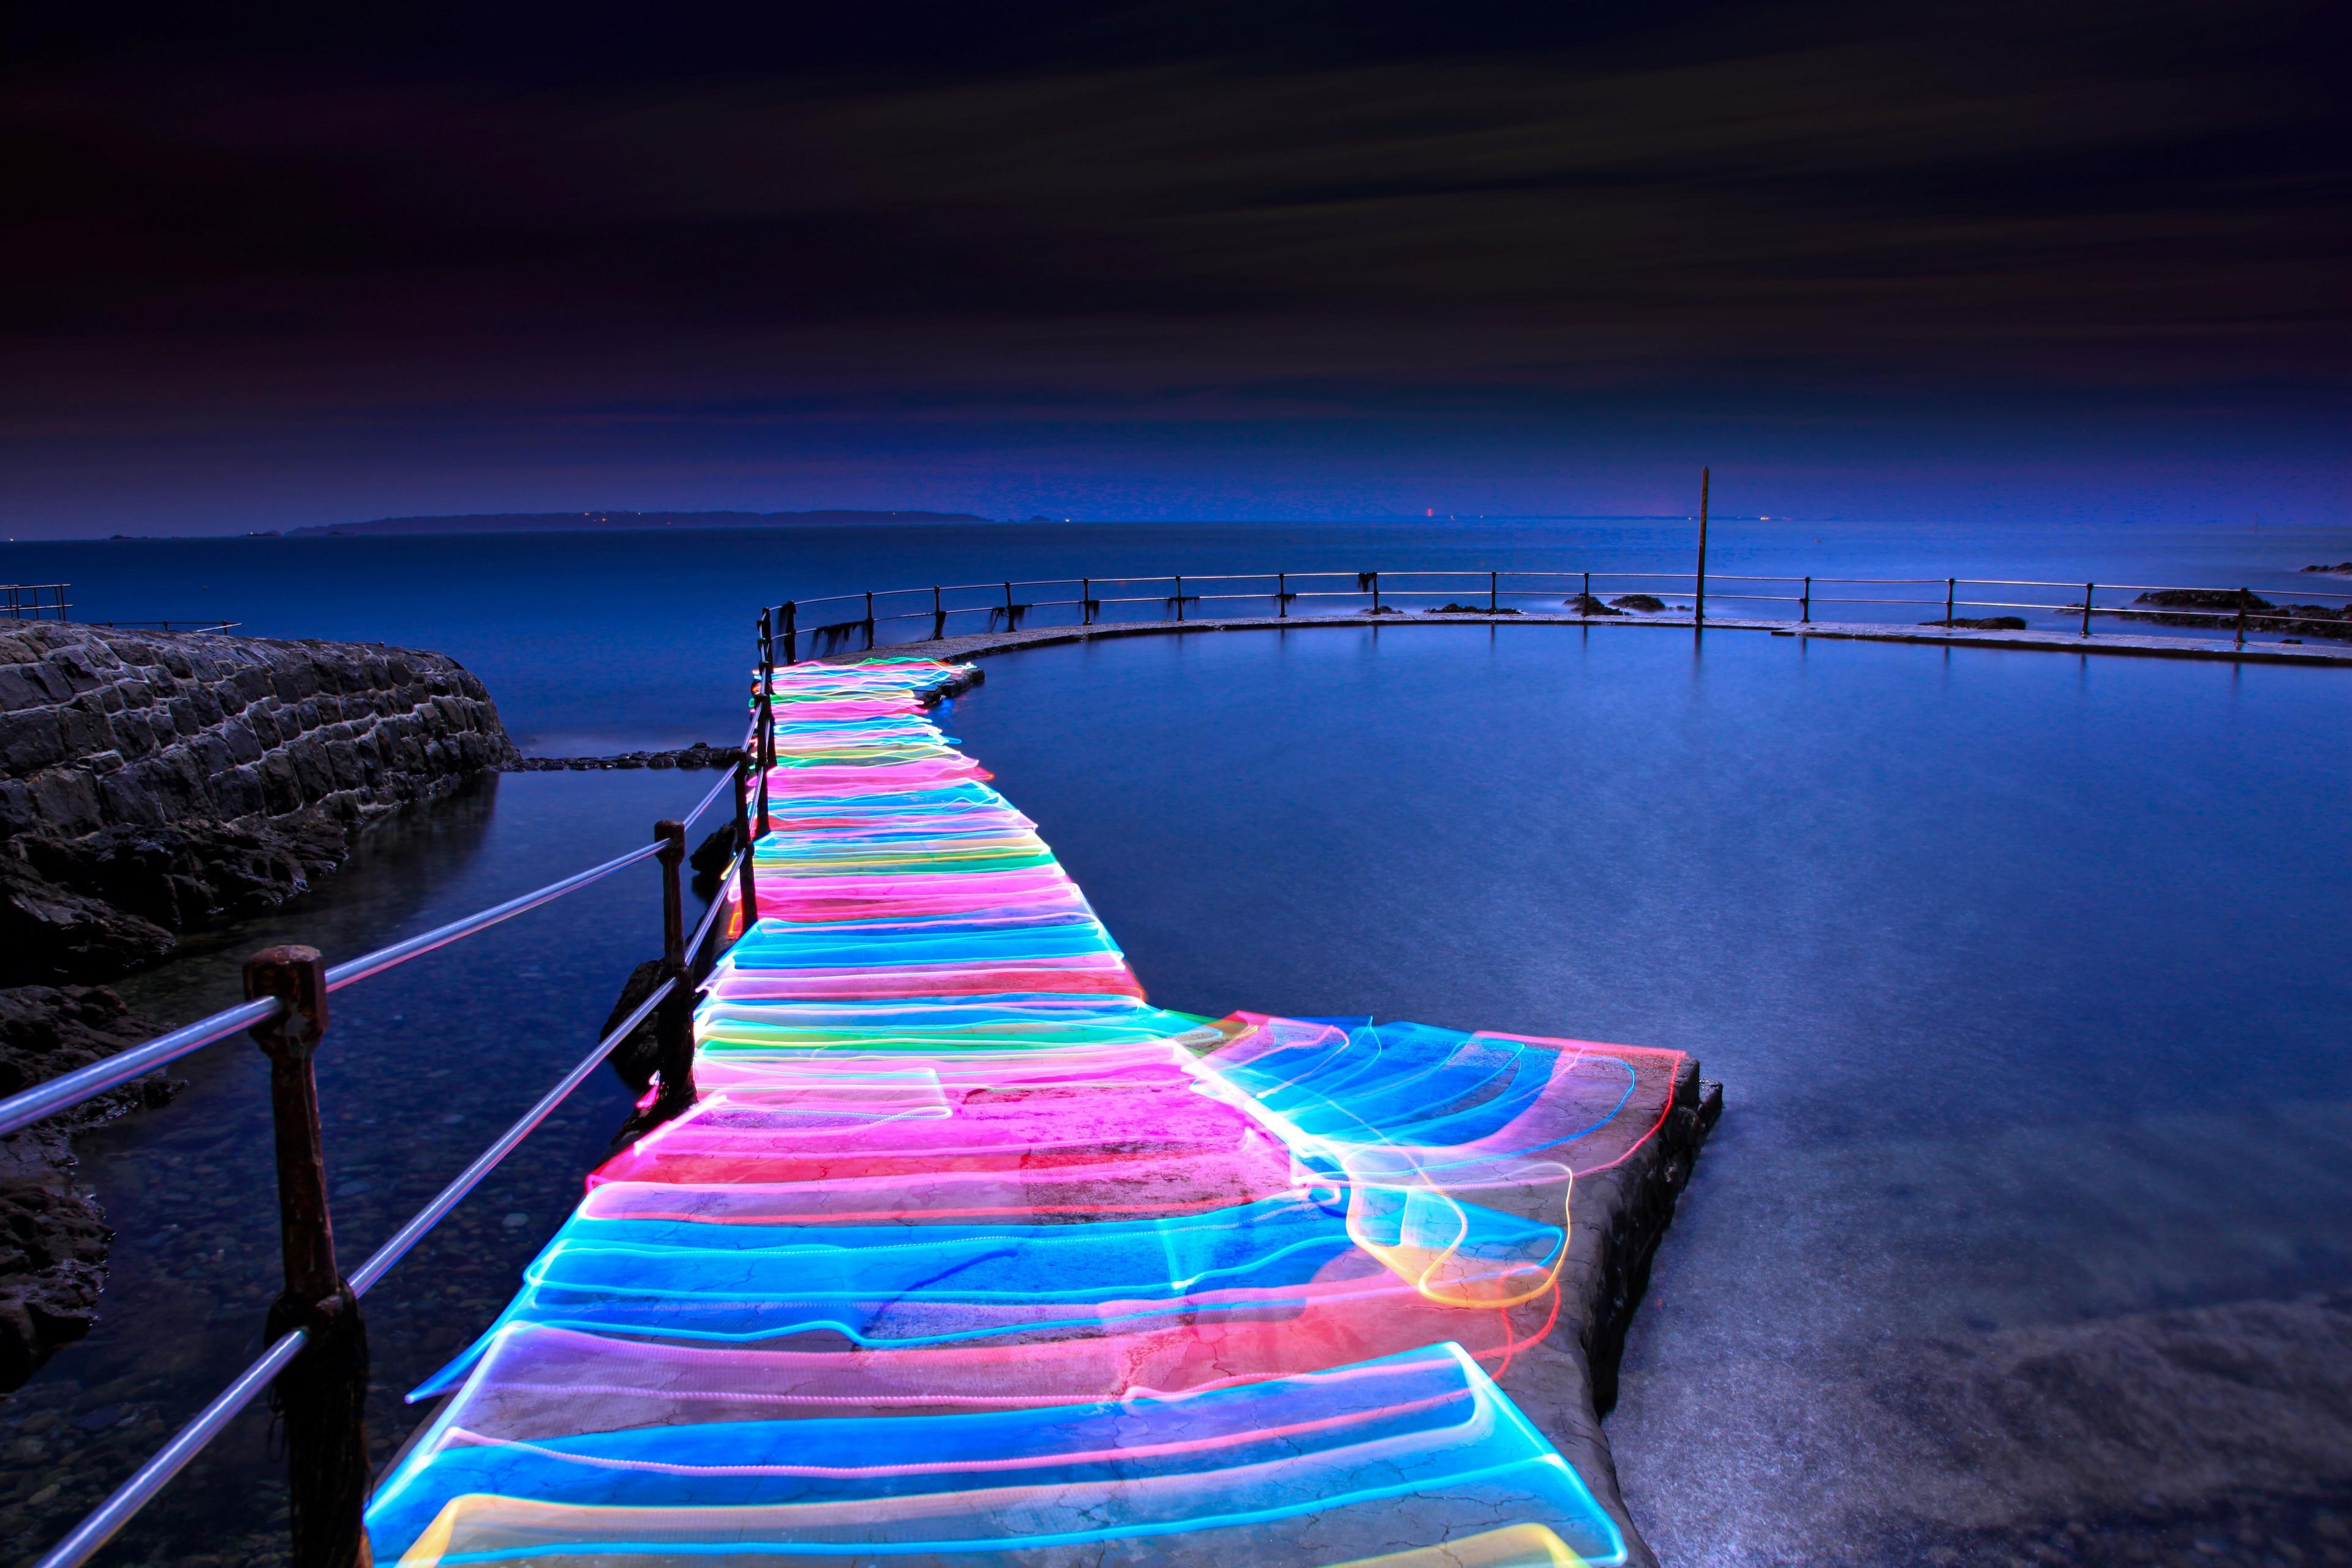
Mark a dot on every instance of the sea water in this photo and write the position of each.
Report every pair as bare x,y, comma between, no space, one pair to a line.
2024,971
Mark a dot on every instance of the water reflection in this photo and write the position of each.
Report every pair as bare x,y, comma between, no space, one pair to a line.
422,1068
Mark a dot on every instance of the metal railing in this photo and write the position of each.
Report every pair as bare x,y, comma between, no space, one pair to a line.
47,602
33,600
315,1342
940,610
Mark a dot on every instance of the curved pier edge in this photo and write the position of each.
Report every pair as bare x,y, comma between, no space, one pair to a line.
1618,1217
979,645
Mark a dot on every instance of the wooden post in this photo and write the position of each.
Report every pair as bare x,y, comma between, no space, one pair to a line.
2088,589
1699,616
322,1394
674,1016
748,883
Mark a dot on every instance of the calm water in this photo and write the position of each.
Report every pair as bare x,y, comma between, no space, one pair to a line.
2024,973
601,641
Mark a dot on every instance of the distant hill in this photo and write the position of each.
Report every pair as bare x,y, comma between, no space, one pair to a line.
576,522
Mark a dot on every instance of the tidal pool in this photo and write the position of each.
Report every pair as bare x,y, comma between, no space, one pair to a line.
2025,973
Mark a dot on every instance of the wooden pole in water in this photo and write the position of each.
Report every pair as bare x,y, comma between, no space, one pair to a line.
1699,617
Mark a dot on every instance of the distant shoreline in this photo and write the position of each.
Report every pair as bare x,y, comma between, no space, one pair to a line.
469,523
598,521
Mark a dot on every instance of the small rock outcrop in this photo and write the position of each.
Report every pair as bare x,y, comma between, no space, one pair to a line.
53,1238
2179,607
155,782
701,754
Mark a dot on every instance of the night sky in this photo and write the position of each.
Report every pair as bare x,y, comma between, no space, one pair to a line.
2009,258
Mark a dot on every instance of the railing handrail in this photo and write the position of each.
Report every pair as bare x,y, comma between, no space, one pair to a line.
46,1098
1284,587
100,1526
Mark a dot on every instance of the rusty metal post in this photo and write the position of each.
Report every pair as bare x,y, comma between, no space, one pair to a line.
2088,589
743,840
764,750
767,630
1699,614
322,1395
674,1016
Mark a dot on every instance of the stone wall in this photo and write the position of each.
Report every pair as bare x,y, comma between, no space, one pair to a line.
101,729
155,782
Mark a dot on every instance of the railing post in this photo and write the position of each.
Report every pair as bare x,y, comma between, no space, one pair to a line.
938,615
1950,585
1805,605
1493,580
764,748
1008,608
767,648
1698,616
750,884
869,620
1180,595
1085,601
2245,598
792,638
1584,606
2088,589
1376,592
322,1395
1281,595
674,1016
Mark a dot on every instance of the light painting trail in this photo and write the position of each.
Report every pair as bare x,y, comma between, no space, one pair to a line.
968,1254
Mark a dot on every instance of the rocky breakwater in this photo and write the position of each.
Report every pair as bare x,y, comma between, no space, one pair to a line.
156,784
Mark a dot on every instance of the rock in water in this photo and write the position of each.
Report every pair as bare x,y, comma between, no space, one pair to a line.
53,1237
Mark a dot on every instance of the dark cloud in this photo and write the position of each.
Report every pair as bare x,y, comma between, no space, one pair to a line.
245,220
